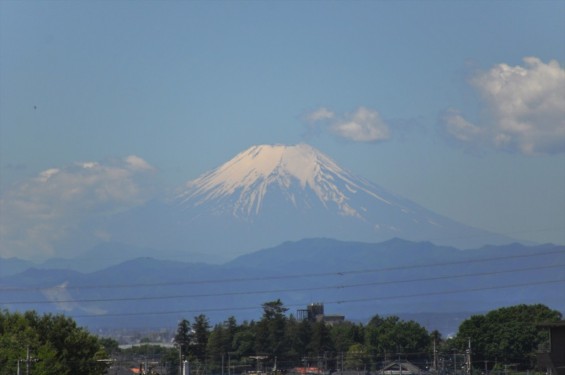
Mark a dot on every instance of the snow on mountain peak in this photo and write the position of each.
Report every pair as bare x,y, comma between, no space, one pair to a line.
248,176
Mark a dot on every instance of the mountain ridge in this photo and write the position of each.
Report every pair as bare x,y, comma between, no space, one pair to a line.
365,279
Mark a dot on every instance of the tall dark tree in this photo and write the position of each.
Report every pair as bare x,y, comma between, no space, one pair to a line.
321,344
244,340
217,347
270,331
201,329
183,337
321,341
273,310
231,329
298,334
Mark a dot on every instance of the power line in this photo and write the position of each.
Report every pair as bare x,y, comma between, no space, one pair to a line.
287,290
283,277
338,302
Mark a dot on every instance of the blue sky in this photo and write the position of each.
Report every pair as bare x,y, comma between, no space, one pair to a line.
458,106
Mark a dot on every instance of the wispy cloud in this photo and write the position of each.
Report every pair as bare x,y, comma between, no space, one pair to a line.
459,128
524,106
45,210
362,125
320,114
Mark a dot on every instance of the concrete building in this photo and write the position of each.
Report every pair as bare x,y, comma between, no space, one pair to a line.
314,312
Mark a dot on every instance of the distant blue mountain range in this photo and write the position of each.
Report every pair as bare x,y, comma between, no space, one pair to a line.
419,280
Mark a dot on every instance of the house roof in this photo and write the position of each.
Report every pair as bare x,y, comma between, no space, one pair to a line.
408,366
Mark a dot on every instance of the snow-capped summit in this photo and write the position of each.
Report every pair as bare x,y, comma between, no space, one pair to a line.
292,171
268,194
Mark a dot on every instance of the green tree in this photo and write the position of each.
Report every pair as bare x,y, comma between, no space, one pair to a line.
356,357
231,329
243,342
298,335
217,347
321,341
55,342
270,330
201,329
346,334
183,337
390,336
110,345
508,334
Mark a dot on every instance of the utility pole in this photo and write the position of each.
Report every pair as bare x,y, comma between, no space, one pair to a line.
435,355
180,360
229,362
468,358
27,360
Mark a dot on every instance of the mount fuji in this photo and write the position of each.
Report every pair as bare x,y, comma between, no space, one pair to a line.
270,194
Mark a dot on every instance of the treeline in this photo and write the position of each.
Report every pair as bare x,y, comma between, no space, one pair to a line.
505,336
276,342
280,342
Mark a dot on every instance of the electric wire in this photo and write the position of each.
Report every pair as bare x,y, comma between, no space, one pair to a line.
336,302
282,277
284,290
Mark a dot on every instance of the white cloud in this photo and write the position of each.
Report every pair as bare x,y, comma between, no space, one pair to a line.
459,128
38,214
320,114
46,175
137,163
363,125
525,108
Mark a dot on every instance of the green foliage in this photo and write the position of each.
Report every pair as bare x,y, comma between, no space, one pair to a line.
243,343
356,357
321,341
293,343
183,338
201,329
508,334
55,343
390,336
110,345
220,344
270,331
299,334
346,334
